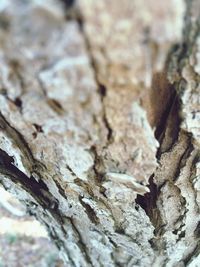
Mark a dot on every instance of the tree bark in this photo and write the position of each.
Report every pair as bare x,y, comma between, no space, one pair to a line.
99,126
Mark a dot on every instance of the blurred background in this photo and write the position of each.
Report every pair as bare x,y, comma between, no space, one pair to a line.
23,240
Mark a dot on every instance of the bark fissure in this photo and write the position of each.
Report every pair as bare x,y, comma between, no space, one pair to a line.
151,206
102,90
149,201
20,142
81,243
37,189
90,212
52,103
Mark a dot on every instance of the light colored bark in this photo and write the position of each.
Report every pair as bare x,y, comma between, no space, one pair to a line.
98,105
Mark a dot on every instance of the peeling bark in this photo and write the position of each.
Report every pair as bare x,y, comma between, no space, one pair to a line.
99,134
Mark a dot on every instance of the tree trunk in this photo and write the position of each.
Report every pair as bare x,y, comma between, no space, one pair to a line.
99,126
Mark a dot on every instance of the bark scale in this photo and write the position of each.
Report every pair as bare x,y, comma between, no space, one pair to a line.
99,134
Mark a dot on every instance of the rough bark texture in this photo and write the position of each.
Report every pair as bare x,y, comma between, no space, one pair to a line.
99,126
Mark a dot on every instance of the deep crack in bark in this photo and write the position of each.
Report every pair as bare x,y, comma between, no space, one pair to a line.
102,90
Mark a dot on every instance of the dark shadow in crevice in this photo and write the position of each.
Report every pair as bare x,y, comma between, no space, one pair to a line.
148,202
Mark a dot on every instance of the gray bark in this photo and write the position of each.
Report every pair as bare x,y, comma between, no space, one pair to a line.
99,126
